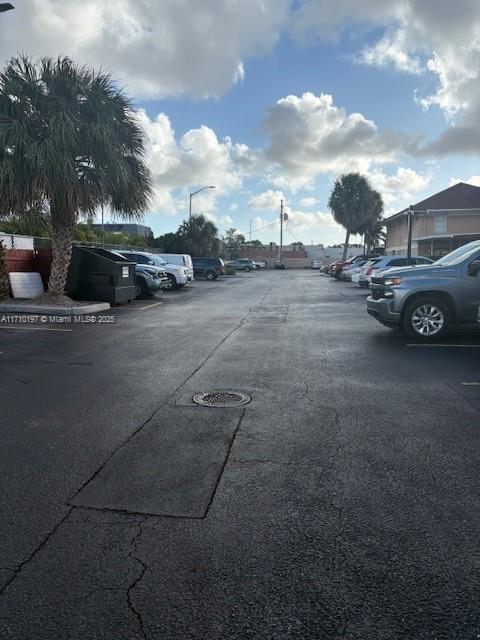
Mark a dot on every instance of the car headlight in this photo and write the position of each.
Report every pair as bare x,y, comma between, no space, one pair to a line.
392,282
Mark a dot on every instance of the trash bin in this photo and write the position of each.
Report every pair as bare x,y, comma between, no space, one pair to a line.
99,274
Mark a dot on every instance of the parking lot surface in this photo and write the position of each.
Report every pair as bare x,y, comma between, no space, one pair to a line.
341,502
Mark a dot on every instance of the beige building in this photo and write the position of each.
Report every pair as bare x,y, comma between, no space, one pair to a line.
440,223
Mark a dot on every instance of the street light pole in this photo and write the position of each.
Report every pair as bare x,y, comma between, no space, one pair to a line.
194,193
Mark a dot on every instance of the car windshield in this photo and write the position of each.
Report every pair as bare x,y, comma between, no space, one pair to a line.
459,255
157,260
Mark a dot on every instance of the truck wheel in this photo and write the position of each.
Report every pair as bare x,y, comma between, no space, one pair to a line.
141,290
426,319
247,269
172,283
211,275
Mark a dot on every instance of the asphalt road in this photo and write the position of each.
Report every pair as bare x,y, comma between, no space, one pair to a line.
342,502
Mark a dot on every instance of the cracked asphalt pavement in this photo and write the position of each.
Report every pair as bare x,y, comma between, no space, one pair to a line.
342,502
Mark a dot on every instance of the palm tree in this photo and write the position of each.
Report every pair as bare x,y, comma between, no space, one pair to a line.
70,138
372,228
199,236
353,204
374,235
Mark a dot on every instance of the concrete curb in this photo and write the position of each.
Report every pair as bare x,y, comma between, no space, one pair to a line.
96,307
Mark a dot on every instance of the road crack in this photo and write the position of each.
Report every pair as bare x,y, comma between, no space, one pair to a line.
143,568
49,535
306,394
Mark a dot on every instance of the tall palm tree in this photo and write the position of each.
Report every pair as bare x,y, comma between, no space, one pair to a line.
353,204
70,137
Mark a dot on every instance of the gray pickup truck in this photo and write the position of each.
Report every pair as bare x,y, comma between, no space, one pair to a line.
428,300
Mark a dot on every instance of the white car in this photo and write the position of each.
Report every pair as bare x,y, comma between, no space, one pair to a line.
180,259
362,277
347,274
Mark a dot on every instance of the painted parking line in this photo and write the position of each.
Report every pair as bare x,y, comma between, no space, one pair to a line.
150,306
471,384
444,346
36,329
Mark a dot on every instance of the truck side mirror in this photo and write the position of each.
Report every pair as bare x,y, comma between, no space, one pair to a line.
474,268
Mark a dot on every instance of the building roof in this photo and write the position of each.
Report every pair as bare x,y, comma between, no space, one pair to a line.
459,196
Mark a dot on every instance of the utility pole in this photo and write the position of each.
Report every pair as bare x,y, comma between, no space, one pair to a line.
250,232
281,231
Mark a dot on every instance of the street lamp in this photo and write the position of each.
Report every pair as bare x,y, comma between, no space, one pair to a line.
194,194
6,6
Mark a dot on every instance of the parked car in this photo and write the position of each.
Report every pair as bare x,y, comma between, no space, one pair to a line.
355,267
242,264
182,259
260,264
338,266
316,264
388,262
362,277
209,268
427,300
280,265
177,276
148,278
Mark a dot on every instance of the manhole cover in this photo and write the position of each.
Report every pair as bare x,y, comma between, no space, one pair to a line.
221,399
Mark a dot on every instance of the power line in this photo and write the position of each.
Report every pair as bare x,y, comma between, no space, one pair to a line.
270,224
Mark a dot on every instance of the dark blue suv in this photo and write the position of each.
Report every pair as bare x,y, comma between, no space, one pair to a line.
209,268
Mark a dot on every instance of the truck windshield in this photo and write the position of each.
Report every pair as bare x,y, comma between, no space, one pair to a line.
157,260
459,255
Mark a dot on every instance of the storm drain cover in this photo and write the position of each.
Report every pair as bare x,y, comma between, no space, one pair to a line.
221,399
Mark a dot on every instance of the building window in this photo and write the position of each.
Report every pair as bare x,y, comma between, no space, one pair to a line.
440,223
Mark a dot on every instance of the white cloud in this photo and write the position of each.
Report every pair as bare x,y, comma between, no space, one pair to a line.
311,221
267,200
399,187
475,180
309,135
197,158
308,202
222,222
438,38
154,48
391,50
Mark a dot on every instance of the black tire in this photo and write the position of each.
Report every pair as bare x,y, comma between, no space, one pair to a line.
141,289
211,275
247,268
172,286
427,318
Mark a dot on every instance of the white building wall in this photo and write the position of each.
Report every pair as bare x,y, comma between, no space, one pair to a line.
12,241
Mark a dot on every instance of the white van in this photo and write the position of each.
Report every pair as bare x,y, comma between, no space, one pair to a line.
183,259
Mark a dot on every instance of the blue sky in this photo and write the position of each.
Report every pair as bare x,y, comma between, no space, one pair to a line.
271,99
